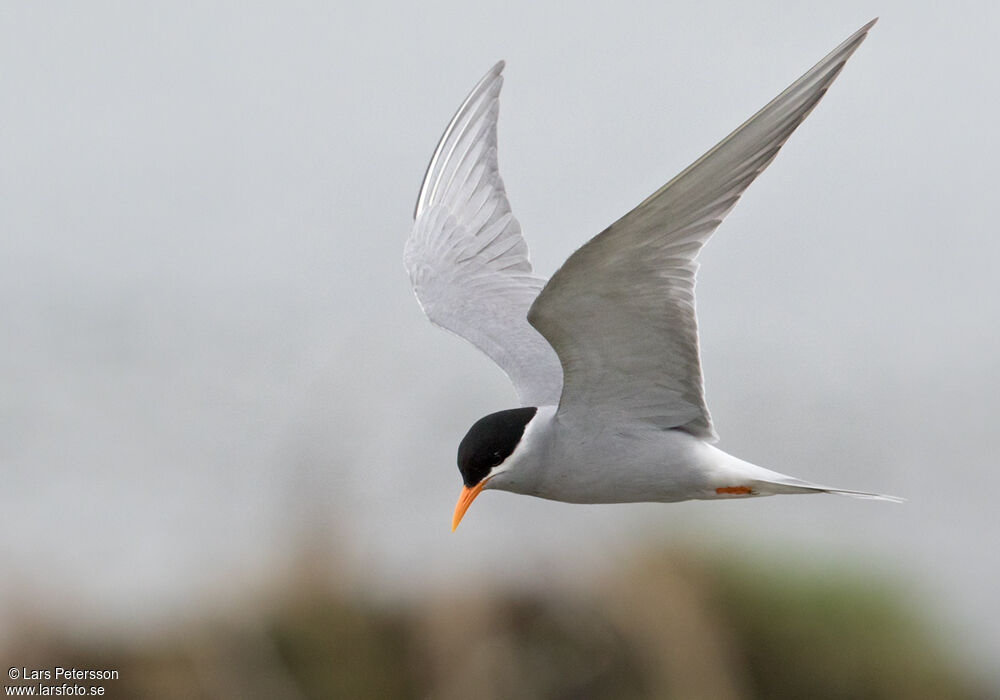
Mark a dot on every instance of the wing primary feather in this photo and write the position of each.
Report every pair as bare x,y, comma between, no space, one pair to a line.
425,190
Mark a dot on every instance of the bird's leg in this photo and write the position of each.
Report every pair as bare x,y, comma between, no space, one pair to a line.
734,490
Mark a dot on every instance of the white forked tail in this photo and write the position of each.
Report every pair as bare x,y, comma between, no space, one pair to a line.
736,477
789,484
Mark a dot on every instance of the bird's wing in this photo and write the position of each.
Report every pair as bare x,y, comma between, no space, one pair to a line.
467,260
620,312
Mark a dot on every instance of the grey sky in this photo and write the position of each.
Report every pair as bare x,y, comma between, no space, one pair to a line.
209,340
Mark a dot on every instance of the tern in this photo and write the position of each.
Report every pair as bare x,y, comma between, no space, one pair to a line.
604,355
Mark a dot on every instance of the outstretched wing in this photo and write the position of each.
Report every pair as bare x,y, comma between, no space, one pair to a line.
467,260
620,312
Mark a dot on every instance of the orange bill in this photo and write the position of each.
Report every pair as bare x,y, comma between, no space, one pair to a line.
464,501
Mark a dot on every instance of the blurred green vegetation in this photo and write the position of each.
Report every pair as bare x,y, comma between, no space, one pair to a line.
672,624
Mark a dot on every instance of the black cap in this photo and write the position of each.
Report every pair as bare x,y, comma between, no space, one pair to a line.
490,441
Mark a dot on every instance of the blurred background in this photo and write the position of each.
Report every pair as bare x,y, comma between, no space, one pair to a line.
227,433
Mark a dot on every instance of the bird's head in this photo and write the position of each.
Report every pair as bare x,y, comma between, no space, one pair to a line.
485,451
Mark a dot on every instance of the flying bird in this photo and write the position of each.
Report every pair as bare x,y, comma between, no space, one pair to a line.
604,355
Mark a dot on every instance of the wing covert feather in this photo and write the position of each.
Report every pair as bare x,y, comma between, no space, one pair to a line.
467,260
620,312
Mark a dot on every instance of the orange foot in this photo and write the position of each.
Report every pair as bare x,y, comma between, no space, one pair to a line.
734,490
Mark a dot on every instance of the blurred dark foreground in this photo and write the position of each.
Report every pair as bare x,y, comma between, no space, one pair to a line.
671,625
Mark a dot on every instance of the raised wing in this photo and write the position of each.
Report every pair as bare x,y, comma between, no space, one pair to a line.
467,260
621,311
